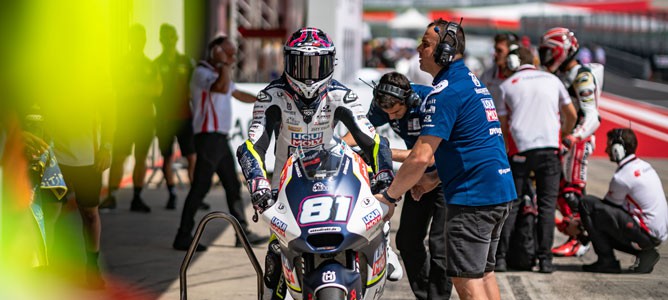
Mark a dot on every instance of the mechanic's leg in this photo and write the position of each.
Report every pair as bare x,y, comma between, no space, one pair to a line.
415,217
440,285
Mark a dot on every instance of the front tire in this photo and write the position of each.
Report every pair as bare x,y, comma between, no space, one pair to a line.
330,293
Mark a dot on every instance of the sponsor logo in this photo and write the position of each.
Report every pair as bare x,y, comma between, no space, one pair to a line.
367,202
495,131
295,128
488,103
281,208
483,91
328,276
326,108
379,260
475,79
491,115
262,96
371,219
440,86
349,97
288,105
427,119
319,187
307,139
297,170
345,167
504,171
292,121
278,226
324,230
308,112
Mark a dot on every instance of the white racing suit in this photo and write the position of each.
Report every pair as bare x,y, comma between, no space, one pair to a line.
584,83
311,126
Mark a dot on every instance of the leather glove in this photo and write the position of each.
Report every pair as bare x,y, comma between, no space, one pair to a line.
381,181
261,196
568,141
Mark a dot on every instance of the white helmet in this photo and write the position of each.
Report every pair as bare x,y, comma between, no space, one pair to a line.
309,61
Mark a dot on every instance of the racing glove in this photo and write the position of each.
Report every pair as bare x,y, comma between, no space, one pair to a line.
568,142
381,181
261,195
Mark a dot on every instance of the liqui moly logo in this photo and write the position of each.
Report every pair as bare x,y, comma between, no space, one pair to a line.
306,139
371,219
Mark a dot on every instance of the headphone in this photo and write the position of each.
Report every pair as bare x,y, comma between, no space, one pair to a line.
445,52
617,148
513,58
409,97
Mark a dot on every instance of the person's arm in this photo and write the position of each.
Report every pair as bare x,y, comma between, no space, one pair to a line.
585,87
224,80
570,116
400,155
243,96
251,154
348,138
414,166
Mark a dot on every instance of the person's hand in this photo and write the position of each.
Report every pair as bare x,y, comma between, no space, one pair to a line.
573,227
390,206
381,181
35,146
568,141
427,183
261,196
103,158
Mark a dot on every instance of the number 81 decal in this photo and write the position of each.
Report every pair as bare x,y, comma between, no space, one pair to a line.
324,209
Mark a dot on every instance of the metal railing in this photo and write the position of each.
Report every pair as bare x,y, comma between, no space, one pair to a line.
241,235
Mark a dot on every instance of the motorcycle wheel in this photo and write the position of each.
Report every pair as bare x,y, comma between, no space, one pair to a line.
330,293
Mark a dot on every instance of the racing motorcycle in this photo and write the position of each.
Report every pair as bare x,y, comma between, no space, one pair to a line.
329,226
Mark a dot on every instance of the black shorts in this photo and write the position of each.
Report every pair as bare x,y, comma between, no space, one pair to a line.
472,235
166,130
137,131
85,182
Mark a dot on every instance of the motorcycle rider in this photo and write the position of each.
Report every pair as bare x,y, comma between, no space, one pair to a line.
557,51
302,108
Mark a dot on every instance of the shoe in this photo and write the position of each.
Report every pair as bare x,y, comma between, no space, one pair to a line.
645,261
572,247
171,202
138,205
108,203
182,242
500,265
253,239
204,206
394,270
601,266
545,266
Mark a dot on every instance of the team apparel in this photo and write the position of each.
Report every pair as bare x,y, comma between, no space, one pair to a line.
212,112
471,160
309,126
637,189
529,98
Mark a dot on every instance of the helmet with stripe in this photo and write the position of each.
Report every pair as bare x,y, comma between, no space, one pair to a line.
309,61
557,47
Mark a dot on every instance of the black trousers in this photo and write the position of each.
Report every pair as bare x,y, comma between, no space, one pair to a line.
611,227
545,165
425,270
213,156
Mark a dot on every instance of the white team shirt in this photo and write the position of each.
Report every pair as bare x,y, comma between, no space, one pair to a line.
636,187
212,112
531,99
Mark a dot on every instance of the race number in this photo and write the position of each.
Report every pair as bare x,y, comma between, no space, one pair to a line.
325,209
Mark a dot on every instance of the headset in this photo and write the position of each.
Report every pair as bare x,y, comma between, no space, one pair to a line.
445,52
513,57
409,97
617,148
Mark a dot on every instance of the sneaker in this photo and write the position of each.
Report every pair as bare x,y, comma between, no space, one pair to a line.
138,205
171,202
253,239
500,265
108,203
645,261
204,206
601,266
394,270
572,247
182,242
545,266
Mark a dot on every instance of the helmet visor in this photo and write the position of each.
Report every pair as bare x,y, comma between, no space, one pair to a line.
309,67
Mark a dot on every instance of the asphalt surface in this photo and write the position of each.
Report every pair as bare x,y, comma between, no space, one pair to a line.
139,262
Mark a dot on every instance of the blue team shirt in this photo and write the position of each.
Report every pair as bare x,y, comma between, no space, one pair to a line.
408,127
471,160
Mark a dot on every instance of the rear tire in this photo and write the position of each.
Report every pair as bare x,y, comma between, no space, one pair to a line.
330,293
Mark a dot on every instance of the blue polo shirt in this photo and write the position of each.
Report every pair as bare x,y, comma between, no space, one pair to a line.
471,160
408,127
